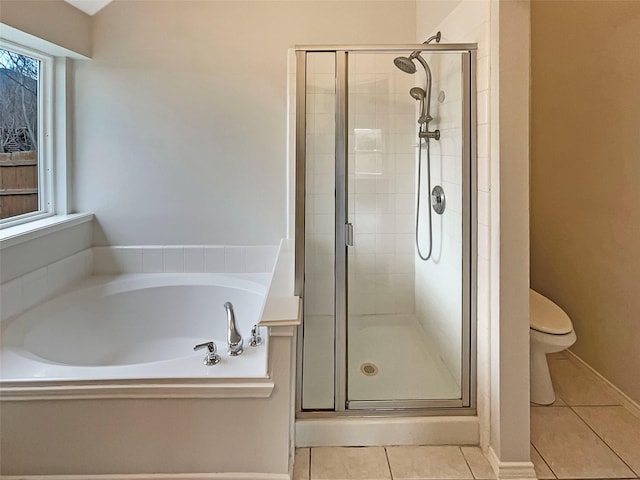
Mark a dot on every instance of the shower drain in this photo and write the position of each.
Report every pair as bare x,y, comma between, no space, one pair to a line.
369,369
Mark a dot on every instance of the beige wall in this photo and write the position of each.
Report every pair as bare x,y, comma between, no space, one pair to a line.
53,20
585,176
181,116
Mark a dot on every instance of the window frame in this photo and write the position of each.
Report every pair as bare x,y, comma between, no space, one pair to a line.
46,172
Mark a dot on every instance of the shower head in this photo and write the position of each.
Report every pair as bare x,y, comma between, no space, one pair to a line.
405,64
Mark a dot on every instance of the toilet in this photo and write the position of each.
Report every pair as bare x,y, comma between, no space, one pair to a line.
550,331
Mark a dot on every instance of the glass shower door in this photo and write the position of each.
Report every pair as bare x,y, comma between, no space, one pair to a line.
405,318
386,280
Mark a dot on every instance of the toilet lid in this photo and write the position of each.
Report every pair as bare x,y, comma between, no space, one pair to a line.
546,316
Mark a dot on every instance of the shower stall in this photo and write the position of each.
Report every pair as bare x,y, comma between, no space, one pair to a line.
385,229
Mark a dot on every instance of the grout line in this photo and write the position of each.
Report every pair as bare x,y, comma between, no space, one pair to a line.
309,477
575,359
604,441
625,400
545,461
467,462
386,454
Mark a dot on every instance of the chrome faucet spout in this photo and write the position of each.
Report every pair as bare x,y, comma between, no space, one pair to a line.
234,339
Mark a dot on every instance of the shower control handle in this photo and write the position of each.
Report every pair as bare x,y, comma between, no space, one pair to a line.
348,234
438,201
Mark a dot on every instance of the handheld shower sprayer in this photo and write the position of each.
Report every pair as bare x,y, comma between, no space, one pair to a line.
419,94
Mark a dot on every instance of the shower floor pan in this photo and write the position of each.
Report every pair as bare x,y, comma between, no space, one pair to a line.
389,358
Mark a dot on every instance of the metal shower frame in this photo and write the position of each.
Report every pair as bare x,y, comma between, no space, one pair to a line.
466,405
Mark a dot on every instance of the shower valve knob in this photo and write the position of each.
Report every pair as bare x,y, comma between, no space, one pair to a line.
438,199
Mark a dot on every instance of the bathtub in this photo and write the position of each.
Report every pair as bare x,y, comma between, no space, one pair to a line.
107,368
135,328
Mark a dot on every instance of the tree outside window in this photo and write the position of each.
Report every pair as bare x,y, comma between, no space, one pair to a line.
19,75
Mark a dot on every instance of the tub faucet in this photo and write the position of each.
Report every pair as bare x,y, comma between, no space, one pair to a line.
234,339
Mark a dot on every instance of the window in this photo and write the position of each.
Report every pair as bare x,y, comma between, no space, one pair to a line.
25,124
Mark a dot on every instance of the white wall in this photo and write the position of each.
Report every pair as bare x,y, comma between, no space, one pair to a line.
509,266
181,114
438,282
468,22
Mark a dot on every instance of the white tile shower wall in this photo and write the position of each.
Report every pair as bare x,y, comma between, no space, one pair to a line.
438,281
320,185
470,22
381,186
21,293
381,198
187,259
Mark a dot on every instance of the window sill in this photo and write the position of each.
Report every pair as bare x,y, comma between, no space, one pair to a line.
28,231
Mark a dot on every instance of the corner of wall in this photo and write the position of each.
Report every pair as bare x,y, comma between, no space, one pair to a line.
52,26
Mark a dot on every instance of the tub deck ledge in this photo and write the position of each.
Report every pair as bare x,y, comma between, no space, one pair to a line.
155,388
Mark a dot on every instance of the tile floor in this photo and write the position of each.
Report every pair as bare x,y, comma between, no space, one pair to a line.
586,434
386,463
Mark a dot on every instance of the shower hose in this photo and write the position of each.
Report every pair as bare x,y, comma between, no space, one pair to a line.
420,254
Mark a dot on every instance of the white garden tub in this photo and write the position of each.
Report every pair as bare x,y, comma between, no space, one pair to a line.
136,329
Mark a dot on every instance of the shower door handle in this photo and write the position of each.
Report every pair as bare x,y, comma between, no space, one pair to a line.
348,234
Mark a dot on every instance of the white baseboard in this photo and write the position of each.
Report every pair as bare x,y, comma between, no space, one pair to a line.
155,476
630,404
511,470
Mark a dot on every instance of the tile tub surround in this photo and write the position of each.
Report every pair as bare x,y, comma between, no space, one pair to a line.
587,432
184,258
21,293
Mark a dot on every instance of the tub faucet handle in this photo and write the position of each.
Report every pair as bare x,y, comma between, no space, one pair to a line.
256,339
212,355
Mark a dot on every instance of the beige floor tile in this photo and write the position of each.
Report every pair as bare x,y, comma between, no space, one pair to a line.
478,463
543,471
558,356
347,463
301,464
576,385
619,428
570,448
423,463
558,403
